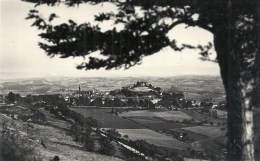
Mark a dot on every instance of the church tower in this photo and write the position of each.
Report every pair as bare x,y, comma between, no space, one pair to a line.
79,92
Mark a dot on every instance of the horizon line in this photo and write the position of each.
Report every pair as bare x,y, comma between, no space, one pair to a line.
40,77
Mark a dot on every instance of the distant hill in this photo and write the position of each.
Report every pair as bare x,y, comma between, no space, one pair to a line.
200,87
194,87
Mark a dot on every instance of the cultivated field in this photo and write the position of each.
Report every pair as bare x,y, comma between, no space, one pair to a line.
221,113
166,115
212,148
134,119
159,127
107,120
153,137
191,136
173,115
210,131
156,124
137,113
203,117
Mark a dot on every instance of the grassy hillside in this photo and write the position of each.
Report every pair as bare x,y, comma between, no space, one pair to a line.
47,139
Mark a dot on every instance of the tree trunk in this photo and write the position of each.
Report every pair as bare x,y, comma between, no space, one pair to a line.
235,44
240,114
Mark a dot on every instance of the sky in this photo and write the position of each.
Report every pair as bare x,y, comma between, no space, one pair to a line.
20,56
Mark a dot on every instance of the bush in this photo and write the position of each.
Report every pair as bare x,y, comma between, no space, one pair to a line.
106,147
15,147
82,135
125,136
56,158
144,147
88,143
38,117
113,134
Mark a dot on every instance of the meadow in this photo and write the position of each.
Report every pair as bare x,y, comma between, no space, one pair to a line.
141,125
159,127
157,124
155,138
203,117
173,115
191,136
210,131
166,115
221,113
107,120
127,120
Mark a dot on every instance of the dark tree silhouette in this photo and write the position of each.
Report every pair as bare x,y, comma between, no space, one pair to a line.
11,97
234,24
106,147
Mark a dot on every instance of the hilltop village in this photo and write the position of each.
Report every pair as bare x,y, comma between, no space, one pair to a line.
140,95
136,122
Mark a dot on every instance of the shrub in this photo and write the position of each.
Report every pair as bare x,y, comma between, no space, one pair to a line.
125,136
56,158
112,134
144,147
106,147
82,135
16,147
88,143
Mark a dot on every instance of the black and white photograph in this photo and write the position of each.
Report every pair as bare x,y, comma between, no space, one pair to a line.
130,80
